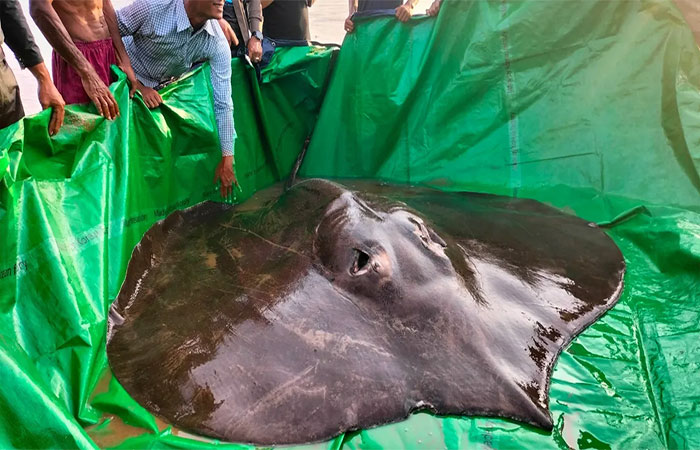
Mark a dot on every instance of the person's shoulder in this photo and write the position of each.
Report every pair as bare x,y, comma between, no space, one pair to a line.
216,35
153,7
214,26
162,6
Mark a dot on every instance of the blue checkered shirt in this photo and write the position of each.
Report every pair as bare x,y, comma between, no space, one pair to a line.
162,45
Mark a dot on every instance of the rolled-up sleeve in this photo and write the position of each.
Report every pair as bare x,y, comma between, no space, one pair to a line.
132,17
220,61
17,34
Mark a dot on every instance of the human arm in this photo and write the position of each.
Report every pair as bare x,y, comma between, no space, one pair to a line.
405,11
228,33
49,97
220,62
255,20
349,24
266,3
434,8
122,56
130,20
51,26
17,34
21,42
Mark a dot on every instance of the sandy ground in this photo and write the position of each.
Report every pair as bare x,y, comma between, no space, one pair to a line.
326,17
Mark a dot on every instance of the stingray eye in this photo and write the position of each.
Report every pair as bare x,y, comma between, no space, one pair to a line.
361,262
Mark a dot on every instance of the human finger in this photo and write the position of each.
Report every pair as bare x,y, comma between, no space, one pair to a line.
53,129
56,121
112,103
106,111
98,104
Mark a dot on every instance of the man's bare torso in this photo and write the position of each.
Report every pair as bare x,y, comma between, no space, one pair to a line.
83,19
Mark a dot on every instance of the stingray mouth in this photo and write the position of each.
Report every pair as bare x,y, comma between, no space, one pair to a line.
361,263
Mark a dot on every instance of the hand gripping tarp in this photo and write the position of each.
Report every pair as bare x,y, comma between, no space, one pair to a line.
590,105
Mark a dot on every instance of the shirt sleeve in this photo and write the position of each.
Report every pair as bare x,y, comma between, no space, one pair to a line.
220,61
131,18
17,34
255,15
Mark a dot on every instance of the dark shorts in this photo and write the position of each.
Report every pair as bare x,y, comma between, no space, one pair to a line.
98,53
10,103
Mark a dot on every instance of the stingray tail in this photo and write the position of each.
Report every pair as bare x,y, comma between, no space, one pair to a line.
297,164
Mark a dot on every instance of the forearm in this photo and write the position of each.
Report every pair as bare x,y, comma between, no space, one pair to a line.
266,3
411,3
352,7
224,125
40,72
122,56
255,16
51,26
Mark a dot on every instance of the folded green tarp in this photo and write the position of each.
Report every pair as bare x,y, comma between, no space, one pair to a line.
73,207
589,105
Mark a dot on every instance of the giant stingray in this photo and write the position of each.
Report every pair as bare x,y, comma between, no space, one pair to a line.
299,316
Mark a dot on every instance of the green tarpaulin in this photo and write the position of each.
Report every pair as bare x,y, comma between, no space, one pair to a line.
590,105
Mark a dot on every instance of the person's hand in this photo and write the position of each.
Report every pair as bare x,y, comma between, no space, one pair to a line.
349,24
404,12
131,78
99,94
434,8
225,174
228,33
49,97
151,97
254,49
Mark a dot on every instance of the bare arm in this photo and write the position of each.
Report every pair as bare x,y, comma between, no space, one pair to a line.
349,25
51,26
266,3
122,56
49,97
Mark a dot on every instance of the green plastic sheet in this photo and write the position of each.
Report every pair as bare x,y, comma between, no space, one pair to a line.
588,105
591,106
73,207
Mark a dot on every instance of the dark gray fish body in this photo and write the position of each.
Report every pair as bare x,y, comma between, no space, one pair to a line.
325,310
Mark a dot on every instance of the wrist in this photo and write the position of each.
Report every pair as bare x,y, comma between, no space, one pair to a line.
41,73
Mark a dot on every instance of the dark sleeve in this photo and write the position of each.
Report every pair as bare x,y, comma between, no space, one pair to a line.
17,34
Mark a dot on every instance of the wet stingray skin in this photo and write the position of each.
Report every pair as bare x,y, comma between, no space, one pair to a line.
301,315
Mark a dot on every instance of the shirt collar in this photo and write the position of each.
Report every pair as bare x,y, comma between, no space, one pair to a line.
183,22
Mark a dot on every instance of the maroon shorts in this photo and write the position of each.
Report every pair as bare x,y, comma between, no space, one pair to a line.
98,53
